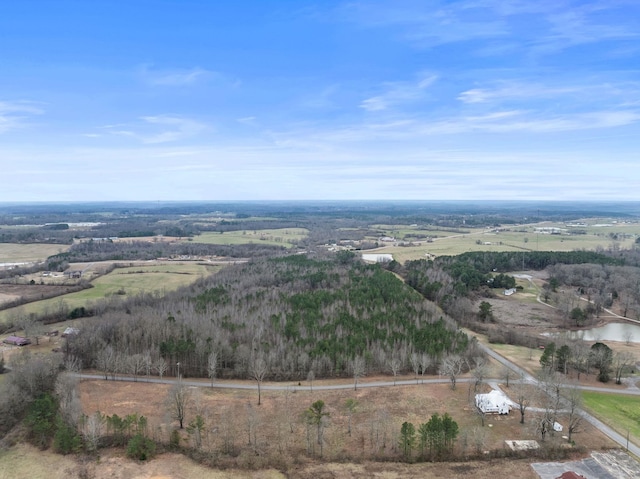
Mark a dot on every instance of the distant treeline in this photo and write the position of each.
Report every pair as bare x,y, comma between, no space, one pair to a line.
143,250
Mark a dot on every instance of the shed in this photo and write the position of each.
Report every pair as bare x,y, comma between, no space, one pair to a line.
16,340
70,332
495,402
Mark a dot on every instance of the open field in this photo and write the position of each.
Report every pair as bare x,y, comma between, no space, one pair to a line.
279,425
621,412
23,461
27,253
131,280
514,238
278,237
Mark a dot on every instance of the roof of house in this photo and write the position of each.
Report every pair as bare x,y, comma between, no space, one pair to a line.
570,475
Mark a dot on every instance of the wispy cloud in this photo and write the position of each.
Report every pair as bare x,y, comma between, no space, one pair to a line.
159,129
177,77
398,92
14,114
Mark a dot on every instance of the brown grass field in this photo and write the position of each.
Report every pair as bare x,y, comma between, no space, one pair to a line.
279,426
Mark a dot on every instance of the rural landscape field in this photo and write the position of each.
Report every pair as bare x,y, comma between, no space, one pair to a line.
267,346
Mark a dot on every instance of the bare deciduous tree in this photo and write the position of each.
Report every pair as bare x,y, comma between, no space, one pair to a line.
212,365
395,364
259,369
425,362
93,430
621,361
452,367
178,401
161,366
479,372
573,396
414,359
357,366
506,374
523,397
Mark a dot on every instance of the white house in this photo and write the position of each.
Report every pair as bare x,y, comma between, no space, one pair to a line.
494,402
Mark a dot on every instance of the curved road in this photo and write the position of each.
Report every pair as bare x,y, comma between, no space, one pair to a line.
621,440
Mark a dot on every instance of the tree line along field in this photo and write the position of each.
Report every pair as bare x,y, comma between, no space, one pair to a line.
120,283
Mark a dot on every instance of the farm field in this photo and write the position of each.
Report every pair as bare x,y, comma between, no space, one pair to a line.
27,253
278,237
131,280
516,238
621,412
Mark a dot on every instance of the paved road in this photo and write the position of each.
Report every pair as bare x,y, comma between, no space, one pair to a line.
621,440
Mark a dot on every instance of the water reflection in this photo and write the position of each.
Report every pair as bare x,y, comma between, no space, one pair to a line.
624,332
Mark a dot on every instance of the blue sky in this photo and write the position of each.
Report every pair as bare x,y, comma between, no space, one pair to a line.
285,100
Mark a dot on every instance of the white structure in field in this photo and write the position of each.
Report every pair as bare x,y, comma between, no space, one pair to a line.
377,258
495,402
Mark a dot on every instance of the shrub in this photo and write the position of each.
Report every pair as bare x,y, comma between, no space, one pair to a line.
141,448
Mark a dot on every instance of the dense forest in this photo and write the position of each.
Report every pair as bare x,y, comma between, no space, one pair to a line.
292,314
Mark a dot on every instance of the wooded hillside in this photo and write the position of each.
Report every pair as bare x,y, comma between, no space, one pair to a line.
294,313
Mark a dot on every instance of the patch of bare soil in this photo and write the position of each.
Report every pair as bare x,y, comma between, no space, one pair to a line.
514,312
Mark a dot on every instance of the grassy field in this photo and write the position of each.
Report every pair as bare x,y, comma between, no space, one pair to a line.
278,237
520,238
24,253
621,412
130,281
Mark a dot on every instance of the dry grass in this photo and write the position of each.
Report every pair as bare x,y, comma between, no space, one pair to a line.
156,277
25,253
279,426
278,237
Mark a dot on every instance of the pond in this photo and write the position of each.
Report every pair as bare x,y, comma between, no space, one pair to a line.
622,332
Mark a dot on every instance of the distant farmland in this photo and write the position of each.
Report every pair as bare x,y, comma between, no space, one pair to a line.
28,253
127,281
278,237
514,238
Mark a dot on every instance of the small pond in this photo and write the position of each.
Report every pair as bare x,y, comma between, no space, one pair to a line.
622,332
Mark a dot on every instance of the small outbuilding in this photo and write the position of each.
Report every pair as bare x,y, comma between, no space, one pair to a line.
495,402
16,341
70,332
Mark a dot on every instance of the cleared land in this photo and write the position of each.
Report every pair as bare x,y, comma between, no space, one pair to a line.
278,237
509,238
278,423
156,277
621,412
27,253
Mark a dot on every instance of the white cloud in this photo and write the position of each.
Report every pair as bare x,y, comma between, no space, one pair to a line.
160,129
14,114
398,92
177,77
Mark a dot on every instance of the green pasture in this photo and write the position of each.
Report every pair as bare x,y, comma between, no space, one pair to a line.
619,411
520,238
130,281
278,237
23,253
